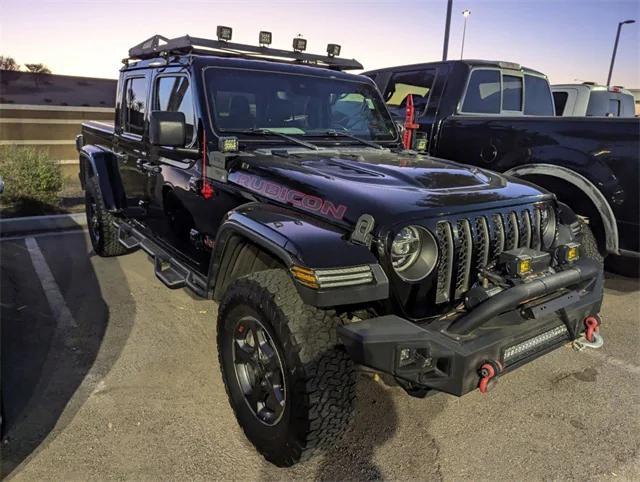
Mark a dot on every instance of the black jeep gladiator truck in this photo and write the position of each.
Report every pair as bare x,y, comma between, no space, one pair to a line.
274,182
500,116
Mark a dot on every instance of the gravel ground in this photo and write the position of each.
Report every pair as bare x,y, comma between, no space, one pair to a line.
125,385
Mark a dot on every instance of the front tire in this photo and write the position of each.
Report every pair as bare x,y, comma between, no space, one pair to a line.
291,388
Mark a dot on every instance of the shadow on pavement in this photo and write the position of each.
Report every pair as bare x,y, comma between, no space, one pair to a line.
621,284
44,364
374,424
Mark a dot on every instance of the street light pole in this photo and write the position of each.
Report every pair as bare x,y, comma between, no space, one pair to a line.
466,14
447,25
615,49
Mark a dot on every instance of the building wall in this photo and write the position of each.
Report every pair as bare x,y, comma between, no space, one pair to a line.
53,128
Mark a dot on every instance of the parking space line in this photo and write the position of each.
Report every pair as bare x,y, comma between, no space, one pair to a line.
42,235
58,306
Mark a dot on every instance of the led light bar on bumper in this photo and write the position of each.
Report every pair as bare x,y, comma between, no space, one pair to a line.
522,350
333,277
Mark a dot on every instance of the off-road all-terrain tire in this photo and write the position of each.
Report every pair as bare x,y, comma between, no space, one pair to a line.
102,232
589,244
319,378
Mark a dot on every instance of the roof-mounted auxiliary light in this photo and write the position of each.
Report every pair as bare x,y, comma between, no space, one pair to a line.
299,44
224,33
333,50
264,38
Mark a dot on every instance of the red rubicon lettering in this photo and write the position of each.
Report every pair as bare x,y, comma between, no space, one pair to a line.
291,196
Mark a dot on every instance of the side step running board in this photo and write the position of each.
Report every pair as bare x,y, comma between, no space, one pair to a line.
173,273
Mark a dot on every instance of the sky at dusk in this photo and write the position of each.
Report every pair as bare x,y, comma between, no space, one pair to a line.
569,40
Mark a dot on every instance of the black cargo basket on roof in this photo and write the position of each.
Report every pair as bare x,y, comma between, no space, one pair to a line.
159,45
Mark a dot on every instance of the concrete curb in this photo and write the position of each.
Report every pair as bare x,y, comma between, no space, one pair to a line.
37,224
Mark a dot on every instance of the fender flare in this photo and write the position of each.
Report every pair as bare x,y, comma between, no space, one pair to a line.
293,238
585,186
103,164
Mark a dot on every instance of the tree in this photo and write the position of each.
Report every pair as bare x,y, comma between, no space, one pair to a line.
38,68
8,63
40,72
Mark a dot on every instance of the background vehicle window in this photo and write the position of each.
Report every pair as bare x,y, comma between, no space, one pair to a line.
135,105
173,94
614,108
511,92
483,92
537,96
600,104
417,83
560,101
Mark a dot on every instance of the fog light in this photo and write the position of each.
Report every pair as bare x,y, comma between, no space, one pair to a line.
524,266
223,33
568,253
228,144
414,358
299,44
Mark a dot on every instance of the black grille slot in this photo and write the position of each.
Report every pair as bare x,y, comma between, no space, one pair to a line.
525,239
464,254
483,242
468,244
445,264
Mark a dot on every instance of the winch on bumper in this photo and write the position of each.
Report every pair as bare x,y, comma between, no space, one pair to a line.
506,330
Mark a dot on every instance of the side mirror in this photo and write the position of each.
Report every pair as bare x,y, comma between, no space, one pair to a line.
167,128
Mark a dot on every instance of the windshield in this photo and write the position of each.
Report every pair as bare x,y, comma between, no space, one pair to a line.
294,104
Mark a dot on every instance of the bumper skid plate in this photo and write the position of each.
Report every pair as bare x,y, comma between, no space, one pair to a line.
429,355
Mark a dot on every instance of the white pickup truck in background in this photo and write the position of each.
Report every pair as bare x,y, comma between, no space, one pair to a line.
592,100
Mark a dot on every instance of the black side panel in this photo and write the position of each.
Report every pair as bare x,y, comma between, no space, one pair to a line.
103,164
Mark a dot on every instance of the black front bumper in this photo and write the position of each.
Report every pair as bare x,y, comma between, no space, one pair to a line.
448,361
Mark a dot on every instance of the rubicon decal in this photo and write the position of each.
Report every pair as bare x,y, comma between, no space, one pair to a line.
296,198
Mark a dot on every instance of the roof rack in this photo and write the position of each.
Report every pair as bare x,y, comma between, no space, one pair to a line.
159,45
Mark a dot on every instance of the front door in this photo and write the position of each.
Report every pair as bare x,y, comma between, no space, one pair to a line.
131,144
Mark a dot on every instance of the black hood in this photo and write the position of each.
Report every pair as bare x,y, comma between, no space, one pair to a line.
391,187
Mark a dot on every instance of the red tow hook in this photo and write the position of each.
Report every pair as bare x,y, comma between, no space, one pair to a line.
592,325
488,371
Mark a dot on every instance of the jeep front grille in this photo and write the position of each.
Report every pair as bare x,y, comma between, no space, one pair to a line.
468,244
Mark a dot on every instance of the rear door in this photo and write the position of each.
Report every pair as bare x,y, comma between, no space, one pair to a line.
131,144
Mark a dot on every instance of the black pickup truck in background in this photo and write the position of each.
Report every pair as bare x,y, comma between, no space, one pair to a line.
500,116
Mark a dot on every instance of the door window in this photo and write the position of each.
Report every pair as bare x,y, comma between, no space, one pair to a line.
135,105
511,93
402,84
173,94
560,101
483,92
537,96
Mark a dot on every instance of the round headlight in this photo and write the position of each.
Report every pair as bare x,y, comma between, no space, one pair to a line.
548,226
414,253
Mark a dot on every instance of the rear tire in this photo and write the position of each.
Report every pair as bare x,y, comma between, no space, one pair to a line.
310,406
102,232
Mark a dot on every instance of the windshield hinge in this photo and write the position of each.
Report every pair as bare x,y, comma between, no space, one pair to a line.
362,232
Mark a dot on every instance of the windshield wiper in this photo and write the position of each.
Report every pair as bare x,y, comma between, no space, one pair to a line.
262,131
334,133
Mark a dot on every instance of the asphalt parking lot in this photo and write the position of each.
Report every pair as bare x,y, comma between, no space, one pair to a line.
108,375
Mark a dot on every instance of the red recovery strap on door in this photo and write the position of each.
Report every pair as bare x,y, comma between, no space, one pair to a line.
409,124
206,191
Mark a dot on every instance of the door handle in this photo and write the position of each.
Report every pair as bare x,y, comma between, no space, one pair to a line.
121,156
195,185
149,167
